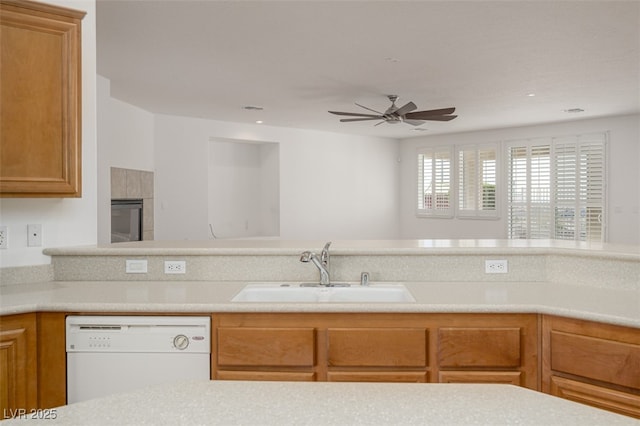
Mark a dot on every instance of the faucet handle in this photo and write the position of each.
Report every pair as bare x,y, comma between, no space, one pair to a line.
324,257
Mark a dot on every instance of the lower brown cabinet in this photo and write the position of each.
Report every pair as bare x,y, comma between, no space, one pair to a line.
32,362
593,363
380,347
18,364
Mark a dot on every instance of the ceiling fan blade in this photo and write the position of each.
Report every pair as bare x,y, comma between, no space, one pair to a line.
440,118
372,110
414,122
355,114
405,109
346,120
420,114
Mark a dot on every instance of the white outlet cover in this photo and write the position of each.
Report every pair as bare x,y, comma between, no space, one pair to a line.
175,267
4,237
496,266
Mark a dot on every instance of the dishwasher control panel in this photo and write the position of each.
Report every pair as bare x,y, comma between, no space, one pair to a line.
138,334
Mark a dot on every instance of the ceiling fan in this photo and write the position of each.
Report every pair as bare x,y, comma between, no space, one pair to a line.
404,114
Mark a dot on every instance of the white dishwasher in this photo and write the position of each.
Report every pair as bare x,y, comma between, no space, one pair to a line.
110,354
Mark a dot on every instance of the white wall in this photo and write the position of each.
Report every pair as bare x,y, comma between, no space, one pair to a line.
65,221
623,173
244,196
331,185
125,140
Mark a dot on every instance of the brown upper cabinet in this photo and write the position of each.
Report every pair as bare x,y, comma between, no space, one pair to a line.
40,99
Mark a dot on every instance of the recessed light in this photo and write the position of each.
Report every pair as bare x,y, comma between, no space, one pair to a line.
531,95
259,121
573,110
252,108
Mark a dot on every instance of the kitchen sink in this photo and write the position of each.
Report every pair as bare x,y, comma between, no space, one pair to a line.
302,293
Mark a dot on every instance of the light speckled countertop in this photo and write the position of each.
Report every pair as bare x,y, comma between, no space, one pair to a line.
614,306
352,247
294,403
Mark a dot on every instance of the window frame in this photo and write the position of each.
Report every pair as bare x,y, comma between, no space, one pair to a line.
433,152
552,230
477,212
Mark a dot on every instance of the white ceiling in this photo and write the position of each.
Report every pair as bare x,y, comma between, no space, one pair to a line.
299,59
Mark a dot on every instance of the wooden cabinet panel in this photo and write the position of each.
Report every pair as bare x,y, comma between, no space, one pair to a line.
377,347
597,396
600,359
255,346
378,376
40,94
284,376
52,359
18,363
590,362
504,377
479,347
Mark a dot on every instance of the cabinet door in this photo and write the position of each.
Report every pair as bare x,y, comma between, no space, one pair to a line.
493,347
500,377
597,396
279,376
40,138
597,364
605,360
266,347
378,376
377,347
18,363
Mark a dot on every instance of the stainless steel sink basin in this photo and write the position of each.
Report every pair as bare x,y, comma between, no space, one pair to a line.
297,293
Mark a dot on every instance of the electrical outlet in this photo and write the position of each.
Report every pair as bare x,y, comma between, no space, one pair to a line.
175,267
4,237
136,266
496,266
34,235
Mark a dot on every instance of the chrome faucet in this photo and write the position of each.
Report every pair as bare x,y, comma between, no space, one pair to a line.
322,264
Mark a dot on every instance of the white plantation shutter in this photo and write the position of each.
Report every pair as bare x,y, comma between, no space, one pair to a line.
540,195
477,178
580,187
434,182
556,188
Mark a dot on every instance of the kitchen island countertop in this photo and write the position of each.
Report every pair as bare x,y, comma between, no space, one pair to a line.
295,403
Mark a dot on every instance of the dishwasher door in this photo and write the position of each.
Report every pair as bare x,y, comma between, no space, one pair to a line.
111,354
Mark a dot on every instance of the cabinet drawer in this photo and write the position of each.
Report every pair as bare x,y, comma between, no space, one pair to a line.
595,358
596,396
377,347
504,377
479,347
378,376
254,346
278,376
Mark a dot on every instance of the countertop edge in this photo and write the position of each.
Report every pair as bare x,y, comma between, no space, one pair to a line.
215,308
404,248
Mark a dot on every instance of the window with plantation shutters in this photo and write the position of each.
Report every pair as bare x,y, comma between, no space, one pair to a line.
434,182
477,181
556,188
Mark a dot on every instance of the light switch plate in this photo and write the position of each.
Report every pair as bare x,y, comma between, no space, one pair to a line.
34,235
136,266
